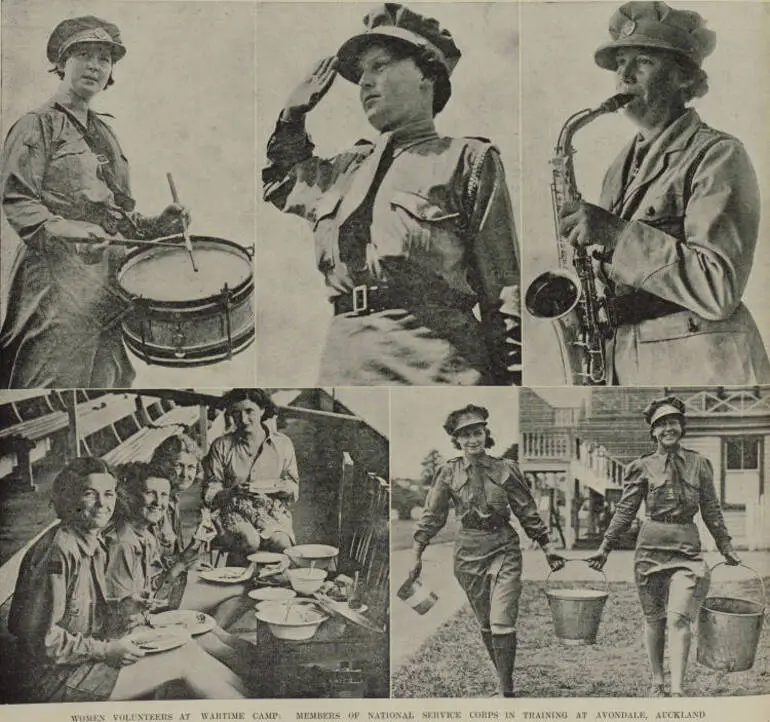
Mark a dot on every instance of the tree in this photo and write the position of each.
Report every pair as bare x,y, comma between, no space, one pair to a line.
432,462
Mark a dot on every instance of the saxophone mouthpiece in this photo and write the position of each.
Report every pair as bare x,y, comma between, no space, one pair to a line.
616,102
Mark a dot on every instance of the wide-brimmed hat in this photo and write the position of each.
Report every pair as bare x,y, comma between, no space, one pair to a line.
656,25
85,29
659,408
395,22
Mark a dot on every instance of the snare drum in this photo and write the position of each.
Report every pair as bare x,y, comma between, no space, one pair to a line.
181,317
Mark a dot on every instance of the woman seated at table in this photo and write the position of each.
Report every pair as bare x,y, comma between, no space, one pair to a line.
62,621
250,478
135,569
179,458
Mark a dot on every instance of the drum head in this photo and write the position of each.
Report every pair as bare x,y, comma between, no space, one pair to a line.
166,275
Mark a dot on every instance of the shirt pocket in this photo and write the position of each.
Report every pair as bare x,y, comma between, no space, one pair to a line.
426,228
665,211
72,165
326,231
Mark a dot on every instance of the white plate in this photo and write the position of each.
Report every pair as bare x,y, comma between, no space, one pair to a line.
268,558
272,593
159,640
194,623
225,575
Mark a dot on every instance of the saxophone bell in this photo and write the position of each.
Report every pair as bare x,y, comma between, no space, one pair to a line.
553,294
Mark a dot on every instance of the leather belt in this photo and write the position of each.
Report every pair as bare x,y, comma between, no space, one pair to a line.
641,306
477,523
671,519
364,299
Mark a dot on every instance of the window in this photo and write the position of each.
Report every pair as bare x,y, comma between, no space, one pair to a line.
742,454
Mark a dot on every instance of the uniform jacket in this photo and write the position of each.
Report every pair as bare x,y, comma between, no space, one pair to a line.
59,609
133,561
59,327
441,219
694,210
505,490
650,479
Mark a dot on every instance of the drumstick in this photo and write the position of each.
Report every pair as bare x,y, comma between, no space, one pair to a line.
185,231
132,242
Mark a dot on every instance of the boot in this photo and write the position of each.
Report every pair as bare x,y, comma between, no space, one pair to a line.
505,659
486,636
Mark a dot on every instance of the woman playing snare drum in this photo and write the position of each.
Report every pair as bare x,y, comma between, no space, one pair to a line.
671,575
64,184
62,621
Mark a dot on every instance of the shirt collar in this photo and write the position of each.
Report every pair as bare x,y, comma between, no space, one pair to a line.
412,134
665,454
88,544
482,460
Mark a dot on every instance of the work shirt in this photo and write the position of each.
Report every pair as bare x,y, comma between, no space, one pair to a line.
134,563
437,226
59,610
674,487
230,461
693,210
54,168
504,490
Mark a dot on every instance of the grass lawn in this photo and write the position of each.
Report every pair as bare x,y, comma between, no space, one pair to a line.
454,663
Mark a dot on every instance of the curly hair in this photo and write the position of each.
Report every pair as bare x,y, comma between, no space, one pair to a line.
169,450
70,483
260,397
696,78
427,62
131,478
451,422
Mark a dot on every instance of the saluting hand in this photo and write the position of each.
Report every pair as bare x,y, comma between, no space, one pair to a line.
584,224
312,89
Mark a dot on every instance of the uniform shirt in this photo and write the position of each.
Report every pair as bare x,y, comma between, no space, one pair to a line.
505,490
59,607
669,494
440,220
229,462
133,560
693,218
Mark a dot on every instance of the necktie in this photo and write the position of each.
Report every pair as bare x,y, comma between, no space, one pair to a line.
675,475
478,496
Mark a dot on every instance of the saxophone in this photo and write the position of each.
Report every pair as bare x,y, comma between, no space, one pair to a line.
569,295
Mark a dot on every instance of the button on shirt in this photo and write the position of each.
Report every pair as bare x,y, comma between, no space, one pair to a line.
504,490
674,487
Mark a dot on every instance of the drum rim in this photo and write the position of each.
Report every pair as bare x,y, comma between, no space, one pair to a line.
237,293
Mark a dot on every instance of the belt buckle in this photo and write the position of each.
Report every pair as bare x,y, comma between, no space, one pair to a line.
361,299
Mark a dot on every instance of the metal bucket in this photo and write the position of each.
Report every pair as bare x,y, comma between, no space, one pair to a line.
729,629
414,593
576,612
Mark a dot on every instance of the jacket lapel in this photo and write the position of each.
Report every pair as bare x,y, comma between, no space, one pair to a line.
362,180
672,140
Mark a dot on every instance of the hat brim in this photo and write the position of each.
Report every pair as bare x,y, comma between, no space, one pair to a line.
117,50
664,414
352,49
605,56
467,424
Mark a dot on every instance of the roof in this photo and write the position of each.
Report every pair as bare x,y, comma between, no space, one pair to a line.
371,405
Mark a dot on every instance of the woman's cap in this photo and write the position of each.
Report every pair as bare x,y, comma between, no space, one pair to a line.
475,416
668,406
656,25
393,21
85,29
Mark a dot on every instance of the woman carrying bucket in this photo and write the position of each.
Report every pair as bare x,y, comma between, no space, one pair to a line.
487,557
671,575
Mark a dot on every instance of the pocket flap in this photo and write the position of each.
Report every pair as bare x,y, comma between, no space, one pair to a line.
421,208
326,207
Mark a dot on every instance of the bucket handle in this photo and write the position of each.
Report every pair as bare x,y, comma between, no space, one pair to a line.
584,561
753,571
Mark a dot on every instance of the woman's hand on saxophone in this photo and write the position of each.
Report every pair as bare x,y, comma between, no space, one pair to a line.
584,224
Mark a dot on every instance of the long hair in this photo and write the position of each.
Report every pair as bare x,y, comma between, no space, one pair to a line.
70,483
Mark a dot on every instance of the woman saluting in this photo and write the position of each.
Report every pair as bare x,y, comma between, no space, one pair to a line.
65,184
